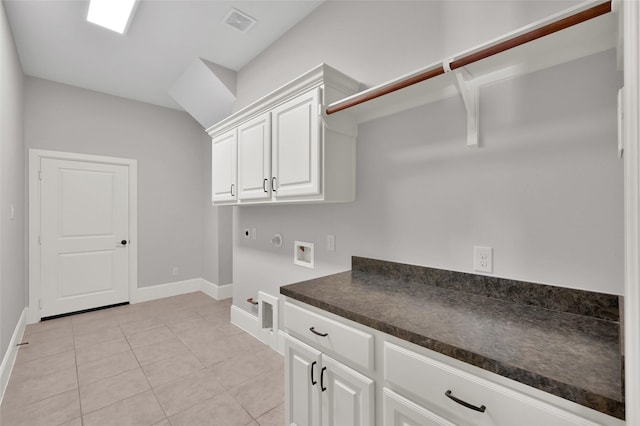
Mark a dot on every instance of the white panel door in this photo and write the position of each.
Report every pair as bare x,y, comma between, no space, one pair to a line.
224,167
347,397
296,146
84,219
399,411
302,384
254,159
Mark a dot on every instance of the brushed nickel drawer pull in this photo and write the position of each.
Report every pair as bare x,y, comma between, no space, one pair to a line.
313,330
480,409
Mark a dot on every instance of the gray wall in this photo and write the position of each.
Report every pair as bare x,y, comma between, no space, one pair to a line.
376,41
12,187
169,146
545,189
217,231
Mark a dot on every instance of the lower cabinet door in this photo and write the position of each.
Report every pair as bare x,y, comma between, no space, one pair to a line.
347,396
399,411
302,384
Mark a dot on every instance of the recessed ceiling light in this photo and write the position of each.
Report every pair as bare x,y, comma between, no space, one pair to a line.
239,20
111,14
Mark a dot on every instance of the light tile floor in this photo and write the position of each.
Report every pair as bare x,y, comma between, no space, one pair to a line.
174,361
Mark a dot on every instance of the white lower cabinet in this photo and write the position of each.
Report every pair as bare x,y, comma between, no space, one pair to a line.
416,387
302,392
399,411
322,391
465,399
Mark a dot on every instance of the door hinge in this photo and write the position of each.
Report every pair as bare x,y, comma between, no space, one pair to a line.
40,303
39,174
39,240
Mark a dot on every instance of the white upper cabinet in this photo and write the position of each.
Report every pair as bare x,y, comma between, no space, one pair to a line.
254,159
288,151
296,146
223,168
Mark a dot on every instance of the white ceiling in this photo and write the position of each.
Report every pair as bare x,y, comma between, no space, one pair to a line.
55,42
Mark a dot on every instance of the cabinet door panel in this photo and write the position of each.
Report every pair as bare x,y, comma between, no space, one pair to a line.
254,159
399,411
223,167
302,396
296,146
349,396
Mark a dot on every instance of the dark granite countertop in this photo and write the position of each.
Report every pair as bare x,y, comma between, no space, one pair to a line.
571,355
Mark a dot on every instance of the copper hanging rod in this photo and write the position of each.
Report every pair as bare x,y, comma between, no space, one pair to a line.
516,41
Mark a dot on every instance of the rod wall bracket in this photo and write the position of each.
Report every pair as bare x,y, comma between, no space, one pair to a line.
470,96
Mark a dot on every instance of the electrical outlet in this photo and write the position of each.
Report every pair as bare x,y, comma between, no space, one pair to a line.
483,259
175,271
246,233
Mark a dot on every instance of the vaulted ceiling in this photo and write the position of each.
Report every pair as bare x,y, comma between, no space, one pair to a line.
164,38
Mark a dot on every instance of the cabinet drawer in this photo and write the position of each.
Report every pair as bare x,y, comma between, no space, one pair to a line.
426,381
341,340
399,411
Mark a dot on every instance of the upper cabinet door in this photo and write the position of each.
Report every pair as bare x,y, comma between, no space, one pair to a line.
224,167
297,146
254,159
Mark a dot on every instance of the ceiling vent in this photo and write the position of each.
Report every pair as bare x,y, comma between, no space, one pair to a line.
240,21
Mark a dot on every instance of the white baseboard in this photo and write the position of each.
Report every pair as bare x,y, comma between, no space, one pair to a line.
160,291
12,352
144,294
245,321
251,325
216,291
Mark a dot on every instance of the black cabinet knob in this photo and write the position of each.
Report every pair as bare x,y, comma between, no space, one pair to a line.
123,242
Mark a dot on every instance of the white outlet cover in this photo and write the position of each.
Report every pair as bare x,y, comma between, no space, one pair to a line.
483,259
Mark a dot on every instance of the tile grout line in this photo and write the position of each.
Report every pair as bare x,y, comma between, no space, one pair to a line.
143,373
75,354
206,368
147,379
116,402
200,314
